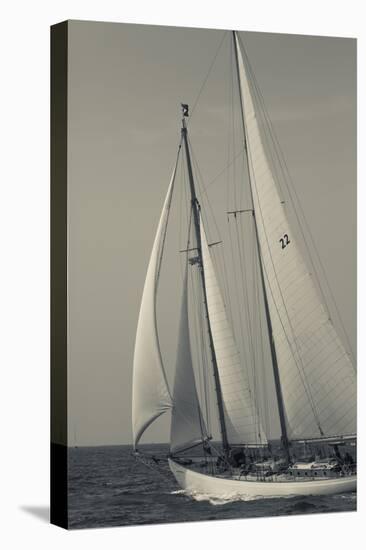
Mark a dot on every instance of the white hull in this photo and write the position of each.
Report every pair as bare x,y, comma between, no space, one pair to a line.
196,482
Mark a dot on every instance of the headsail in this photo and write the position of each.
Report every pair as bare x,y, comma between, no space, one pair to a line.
318,380
150,394
187,427
241,416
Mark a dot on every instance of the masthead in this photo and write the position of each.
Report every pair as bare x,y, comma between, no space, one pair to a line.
185,109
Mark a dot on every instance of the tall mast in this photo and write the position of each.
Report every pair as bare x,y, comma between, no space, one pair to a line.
196,219
280,402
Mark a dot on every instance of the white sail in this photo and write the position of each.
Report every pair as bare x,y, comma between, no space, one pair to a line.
187,427
241,416
150,393
318,380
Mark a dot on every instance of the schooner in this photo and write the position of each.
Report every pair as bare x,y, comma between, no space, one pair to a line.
314,377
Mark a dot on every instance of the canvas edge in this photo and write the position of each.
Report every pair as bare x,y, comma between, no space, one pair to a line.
58,254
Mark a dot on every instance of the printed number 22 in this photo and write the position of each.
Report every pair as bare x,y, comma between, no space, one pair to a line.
284,241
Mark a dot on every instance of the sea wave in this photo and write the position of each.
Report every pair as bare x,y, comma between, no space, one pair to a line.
222,500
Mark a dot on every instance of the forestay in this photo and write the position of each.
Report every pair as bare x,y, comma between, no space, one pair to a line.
318,380
150,393
241,416
187,427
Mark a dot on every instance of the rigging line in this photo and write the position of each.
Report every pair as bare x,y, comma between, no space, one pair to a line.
242,263
201,188
158,268
204,352
196,334
255,318
205,365
205,301
241,335
280,403
232,176
328,418
226,287
243,278
189,220
349,406
162,242
181,218
189,230
201,420
266,133
268,130
289,186
228,186
233,159
218,255
253,310
261,343
271,139
242,201
188,239
348,411
154,468
235,77
229,130
186,203
207,75
199,412
230,161
301,371
223,273
331,413
233,131
331,294
185,186
200,343
235,86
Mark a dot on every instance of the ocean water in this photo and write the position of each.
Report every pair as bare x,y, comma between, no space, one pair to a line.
108,487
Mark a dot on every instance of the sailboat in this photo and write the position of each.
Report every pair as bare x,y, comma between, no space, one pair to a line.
314,378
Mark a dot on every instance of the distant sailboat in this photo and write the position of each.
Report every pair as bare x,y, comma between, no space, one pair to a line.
314,379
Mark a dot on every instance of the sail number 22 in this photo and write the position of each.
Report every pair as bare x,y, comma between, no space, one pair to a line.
284,241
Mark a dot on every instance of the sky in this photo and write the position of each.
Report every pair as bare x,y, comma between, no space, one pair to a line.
126,83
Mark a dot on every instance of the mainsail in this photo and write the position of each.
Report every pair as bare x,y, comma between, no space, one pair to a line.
241,416
187,427
150,393
318,380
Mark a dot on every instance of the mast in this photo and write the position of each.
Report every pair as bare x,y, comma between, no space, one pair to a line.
196,219
280,403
